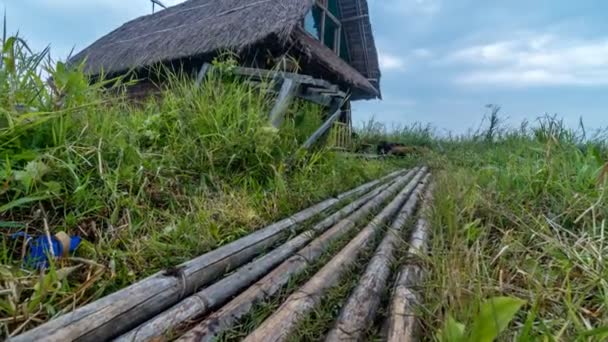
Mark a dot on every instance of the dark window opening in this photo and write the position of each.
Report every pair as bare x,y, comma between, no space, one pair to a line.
322,23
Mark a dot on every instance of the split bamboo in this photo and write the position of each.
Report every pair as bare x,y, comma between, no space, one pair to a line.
402,320
123,310
359,311
278,326
211,297
224,318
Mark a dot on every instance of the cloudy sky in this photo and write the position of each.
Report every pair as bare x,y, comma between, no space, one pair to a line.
442,60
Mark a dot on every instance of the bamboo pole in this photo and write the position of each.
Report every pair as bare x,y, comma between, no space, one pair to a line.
402,320
224,318
368,186
211,297
359,311
278,326
123,310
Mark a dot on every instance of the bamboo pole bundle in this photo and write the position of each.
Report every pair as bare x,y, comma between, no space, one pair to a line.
224,318
402,320
118,312
278,326
218,293
358,312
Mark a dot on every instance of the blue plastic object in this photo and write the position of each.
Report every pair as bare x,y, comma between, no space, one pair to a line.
38,249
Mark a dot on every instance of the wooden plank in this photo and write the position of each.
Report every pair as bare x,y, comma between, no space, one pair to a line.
314,90
280,324
121,311
333,91
323,129
360,309
320,99
286,95
264,74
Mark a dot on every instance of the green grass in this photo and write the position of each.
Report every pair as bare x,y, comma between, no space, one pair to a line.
521,215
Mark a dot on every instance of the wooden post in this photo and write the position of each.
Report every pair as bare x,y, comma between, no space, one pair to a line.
286,95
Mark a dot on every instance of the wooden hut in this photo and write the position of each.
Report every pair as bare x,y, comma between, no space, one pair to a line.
332,40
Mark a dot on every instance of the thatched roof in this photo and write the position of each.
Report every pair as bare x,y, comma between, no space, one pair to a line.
360,39
197,28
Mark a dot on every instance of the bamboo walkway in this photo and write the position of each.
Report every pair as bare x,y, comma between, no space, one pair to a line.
209,295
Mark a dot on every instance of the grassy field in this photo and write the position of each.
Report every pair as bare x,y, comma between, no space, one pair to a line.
518,212
523,214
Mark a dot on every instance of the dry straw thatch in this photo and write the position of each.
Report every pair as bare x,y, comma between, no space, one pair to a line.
198,28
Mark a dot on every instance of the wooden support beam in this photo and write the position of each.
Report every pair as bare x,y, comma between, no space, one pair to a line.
286,95
202,73
305,87
327,91
323,129
262,74
320,96
320,99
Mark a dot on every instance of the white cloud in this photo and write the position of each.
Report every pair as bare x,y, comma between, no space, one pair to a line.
535,60
389,62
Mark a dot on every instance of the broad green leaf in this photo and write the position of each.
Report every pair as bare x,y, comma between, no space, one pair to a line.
494,316
21,201
453,331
